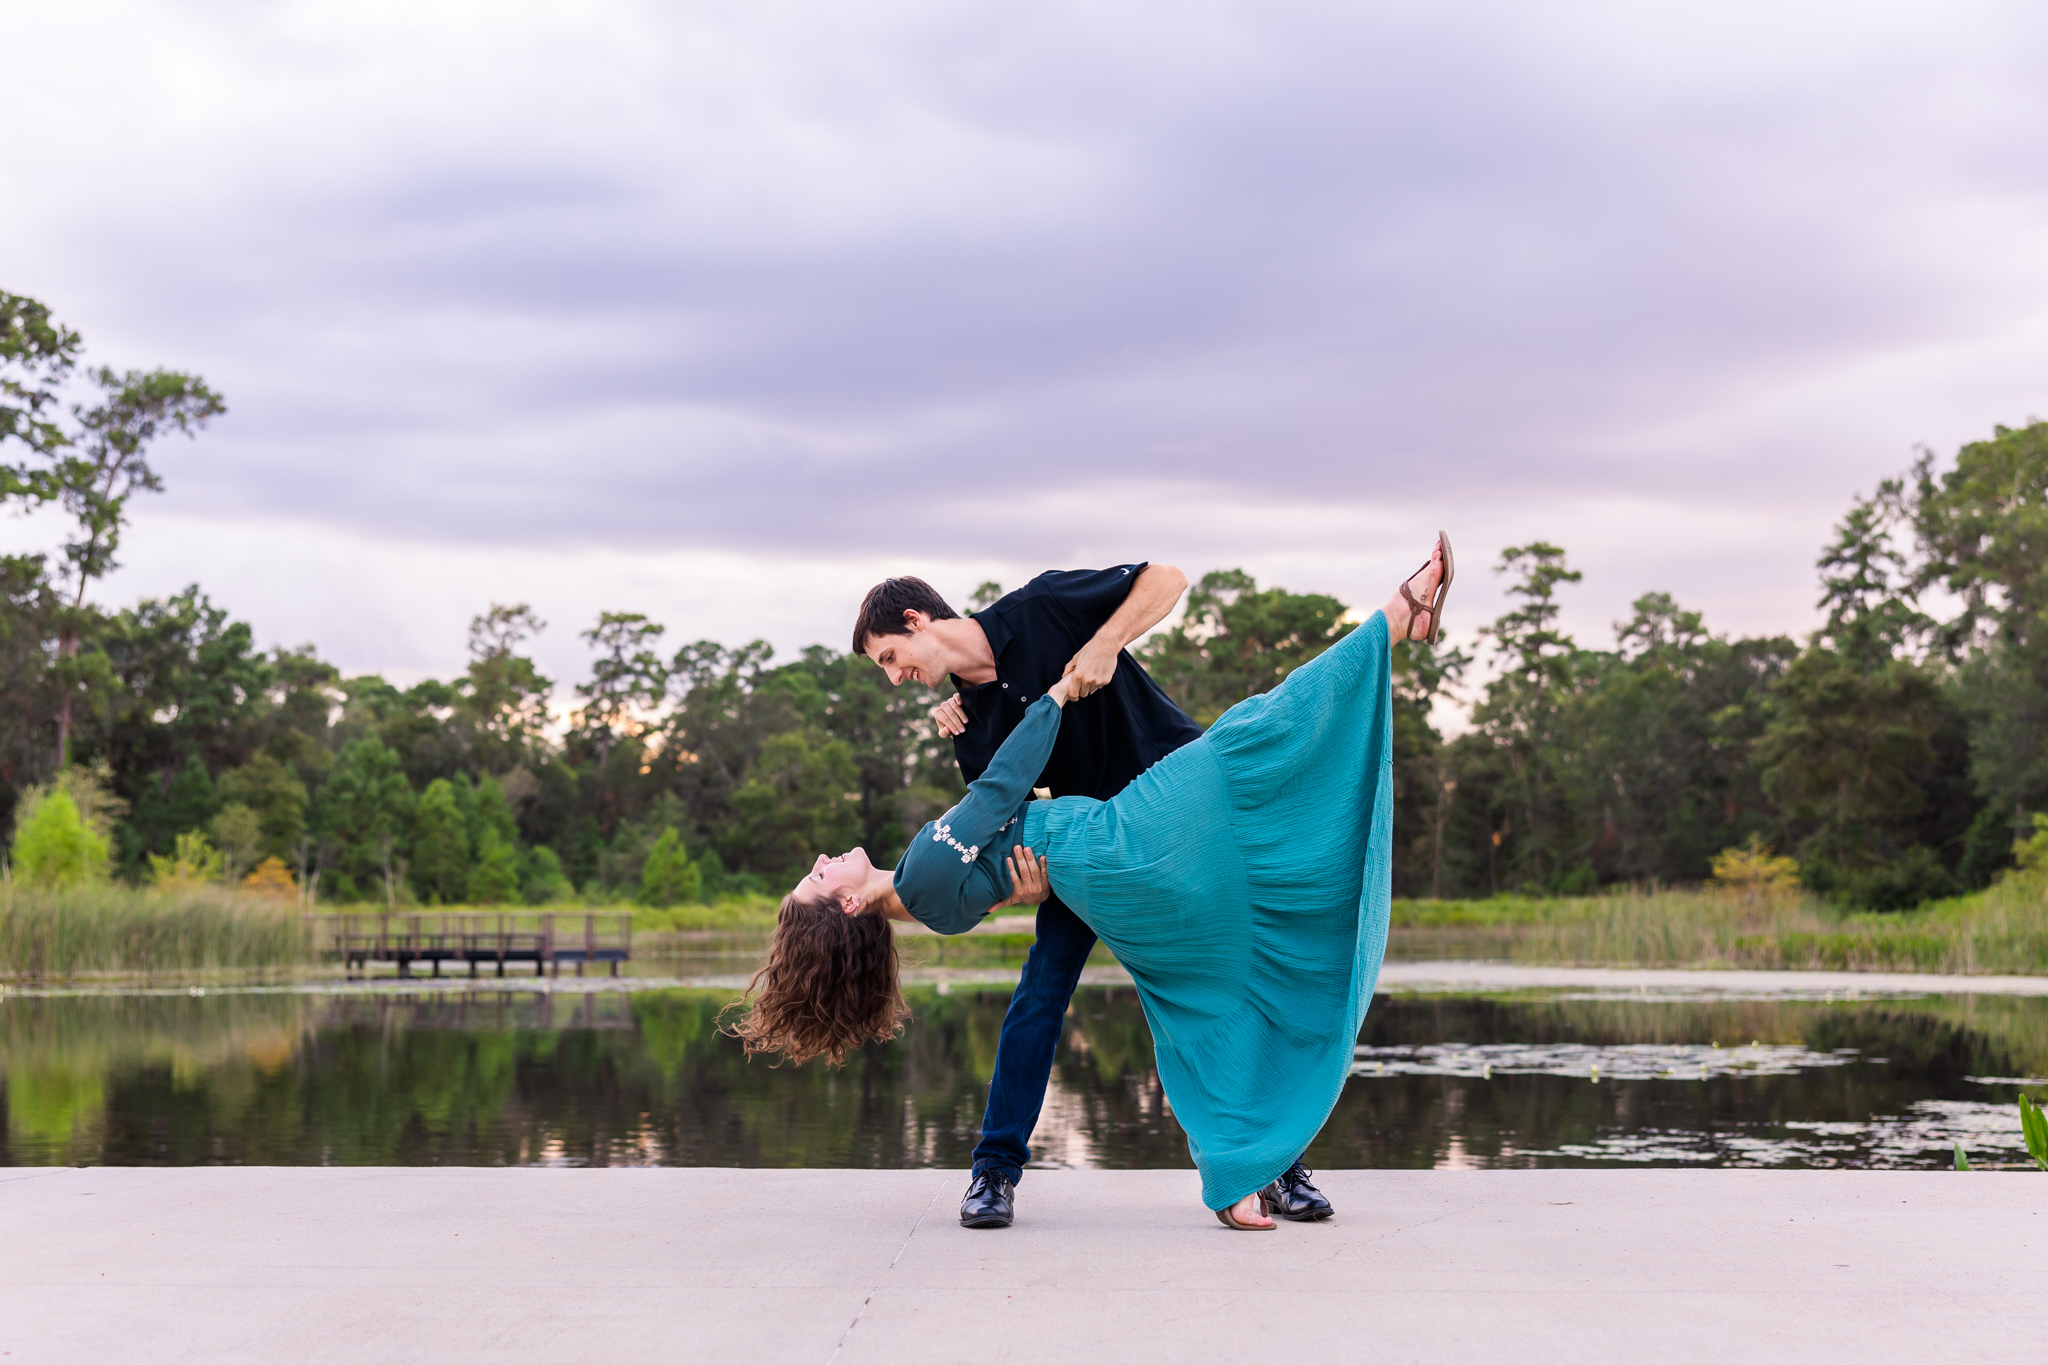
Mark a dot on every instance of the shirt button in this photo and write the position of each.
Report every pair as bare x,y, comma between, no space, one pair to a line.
1006,687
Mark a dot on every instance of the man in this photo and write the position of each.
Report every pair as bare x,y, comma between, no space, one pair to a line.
1120,723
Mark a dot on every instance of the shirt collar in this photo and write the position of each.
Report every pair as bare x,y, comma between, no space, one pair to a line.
998,633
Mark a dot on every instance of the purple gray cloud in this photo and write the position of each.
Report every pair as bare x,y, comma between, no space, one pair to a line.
720,311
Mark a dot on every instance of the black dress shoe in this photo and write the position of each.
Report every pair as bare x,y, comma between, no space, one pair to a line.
1293,1197
988,1202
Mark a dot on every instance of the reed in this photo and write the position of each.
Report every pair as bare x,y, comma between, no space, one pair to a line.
93,930
2002,929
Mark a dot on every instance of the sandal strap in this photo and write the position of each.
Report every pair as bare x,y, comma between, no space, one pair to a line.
1416,610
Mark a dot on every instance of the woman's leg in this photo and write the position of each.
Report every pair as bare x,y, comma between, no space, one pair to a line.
1305,768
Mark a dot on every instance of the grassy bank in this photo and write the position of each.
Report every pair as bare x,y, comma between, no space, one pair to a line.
106,929
2003,929
737,912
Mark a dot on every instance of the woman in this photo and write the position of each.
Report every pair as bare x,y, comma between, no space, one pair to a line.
1243,880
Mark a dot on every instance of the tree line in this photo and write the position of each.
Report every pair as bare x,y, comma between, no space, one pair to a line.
1896,754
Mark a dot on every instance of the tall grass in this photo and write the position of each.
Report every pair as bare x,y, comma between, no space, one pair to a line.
109,929
2003,929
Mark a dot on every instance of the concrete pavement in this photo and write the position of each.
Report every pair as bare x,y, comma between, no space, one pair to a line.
472,1265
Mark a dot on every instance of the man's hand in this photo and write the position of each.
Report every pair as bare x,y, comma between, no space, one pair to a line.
1028,883
950,716
1095,665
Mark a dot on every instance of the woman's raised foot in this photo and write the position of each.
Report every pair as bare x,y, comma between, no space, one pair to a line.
1411,610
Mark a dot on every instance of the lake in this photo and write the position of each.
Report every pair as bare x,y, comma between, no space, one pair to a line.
635,1071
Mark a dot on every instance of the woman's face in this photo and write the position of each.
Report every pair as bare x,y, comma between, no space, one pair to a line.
838,877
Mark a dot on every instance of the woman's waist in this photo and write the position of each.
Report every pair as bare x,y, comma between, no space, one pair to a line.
1178,805
1058,824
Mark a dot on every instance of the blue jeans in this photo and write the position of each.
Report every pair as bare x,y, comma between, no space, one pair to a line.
1030,1037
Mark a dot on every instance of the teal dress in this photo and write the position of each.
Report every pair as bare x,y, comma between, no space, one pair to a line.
1243,880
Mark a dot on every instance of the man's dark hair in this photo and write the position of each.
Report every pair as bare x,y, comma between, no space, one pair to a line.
881,611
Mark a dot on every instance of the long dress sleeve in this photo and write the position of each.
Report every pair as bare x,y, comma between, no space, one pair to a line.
952,872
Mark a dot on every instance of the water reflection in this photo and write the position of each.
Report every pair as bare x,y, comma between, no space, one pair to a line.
494,1077
1791,1083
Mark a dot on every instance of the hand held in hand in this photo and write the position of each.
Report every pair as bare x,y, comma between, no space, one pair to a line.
949,717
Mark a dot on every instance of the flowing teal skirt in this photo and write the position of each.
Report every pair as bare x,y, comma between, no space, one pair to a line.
1244,881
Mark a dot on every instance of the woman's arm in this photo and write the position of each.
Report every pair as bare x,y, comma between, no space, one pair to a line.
945,875
994,797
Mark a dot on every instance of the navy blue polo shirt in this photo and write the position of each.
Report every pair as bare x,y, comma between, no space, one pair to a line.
1107,738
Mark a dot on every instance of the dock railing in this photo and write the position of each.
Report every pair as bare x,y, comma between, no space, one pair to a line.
545,938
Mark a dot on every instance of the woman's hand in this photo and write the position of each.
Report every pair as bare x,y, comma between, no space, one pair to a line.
1028,883
1061,690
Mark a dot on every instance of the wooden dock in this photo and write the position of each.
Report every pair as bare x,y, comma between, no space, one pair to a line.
480,938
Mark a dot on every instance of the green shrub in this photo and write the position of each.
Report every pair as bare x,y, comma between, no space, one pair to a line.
54,847
195,862
495,878
541,878
668,876
1911,880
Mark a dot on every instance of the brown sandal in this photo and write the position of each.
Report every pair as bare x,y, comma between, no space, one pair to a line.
1435,607
1223,1216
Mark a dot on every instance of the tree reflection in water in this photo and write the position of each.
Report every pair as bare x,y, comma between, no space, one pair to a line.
451,1077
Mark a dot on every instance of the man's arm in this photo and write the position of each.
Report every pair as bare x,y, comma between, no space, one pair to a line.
1151,597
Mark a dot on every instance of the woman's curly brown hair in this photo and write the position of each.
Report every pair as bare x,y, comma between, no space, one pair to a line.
830,984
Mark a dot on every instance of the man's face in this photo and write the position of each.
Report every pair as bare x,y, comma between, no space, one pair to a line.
914,657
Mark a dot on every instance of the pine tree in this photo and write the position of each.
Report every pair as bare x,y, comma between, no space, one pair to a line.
274,792
440,846
365,815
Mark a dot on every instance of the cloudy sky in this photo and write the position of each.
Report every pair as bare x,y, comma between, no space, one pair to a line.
720,311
